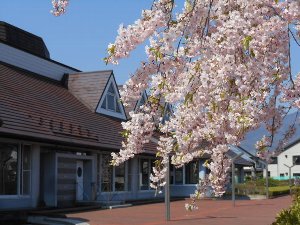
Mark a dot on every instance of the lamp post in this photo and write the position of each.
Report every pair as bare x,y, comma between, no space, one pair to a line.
290,176
233,177
167,191
267,180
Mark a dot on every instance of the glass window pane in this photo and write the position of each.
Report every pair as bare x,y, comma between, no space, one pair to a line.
111,89
117,106
107,172
103,106
142,101
144,174
129,175
26,182
179,175
120,178
296,160
26,170
111,102
26,157
172,170
8,169
192,173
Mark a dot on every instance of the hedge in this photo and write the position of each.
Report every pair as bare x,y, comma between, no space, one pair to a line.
246,189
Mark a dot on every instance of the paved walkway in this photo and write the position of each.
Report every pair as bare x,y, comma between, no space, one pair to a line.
210,212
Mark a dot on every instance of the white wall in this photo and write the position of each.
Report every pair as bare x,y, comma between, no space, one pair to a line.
286,157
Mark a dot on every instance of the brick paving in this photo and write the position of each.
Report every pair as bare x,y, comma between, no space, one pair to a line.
210,212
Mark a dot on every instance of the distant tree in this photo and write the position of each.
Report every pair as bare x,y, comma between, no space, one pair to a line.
224,65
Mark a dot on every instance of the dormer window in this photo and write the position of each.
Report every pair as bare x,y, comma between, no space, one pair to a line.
110,103
141,102
168,113
111,100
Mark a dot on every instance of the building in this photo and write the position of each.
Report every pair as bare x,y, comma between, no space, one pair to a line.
289,157
58,126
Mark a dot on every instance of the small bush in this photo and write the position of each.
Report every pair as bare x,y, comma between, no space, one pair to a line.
290,216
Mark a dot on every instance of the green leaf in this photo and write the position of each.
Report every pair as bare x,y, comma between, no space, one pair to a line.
252,54
246,42
111,50
188,98
188,5
125,133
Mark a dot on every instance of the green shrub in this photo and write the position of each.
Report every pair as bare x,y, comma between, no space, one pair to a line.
290,216
277,191
252,189
272,182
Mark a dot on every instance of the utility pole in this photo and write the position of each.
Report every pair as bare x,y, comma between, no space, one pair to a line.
233,177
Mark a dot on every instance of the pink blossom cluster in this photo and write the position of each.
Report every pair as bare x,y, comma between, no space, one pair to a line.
59,7
225,66
138,132
200,192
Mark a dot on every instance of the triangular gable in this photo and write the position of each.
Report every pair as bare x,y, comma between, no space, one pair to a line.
88,87
109,103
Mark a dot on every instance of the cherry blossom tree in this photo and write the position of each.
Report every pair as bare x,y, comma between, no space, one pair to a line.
225,67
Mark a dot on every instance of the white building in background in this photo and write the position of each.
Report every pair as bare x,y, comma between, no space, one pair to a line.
290,156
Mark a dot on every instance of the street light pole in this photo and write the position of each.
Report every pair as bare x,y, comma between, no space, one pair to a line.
233,177
290,176
167,191
267,180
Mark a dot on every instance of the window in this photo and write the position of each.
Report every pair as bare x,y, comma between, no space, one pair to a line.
192,173
144,174
146,166
296,175
110,101
179,175
26,170
296,160
8,169
273,160
106,173
141,102
113,178
167,113
282,175
15,169
120,178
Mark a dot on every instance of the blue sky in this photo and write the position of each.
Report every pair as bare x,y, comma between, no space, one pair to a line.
80,37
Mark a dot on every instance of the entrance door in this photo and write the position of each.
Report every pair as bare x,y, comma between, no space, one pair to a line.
79,180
